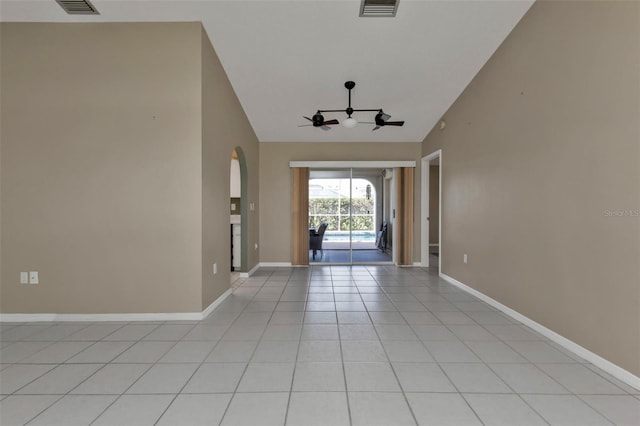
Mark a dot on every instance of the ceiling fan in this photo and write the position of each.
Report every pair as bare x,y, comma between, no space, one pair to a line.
381,119
318,121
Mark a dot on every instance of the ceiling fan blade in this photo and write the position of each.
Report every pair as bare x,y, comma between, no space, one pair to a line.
385,117
375,128
329,122
325,128
307,118
305,125
394,123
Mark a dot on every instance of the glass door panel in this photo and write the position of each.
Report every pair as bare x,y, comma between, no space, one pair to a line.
329,211
346,212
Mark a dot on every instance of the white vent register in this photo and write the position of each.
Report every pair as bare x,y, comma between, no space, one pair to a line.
379,8
78,7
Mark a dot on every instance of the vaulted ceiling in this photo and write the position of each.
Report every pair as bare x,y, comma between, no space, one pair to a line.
286,59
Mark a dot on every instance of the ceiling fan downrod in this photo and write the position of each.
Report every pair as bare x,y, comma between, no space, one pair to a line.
349,85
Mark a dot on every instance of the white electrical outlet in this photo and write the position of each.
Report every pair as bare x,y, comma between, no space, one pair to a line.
256,246
215,268
464,258
33,277
233,207
24,278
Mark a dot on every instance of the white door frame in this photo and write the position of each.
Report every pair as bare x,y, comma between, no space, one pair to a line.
424,217
392,211
371,165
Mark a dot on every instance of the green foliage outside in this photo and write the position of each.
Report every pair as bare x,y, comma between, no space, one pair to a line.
360,223
335,212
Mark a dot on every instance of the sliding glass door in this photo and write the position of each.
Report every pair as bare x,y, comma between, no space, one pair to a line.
348,222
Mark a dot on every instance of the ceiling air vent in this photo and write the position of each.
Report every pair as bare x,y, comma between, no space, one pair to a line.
384,8
78,7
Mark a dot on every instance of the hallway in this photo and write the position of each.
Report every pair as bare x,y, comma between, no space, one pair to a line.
358,345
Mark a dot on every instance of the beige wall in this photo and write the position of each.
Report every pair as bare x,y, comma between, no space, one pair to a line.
225,128
105,183
434,204
542,143
275,185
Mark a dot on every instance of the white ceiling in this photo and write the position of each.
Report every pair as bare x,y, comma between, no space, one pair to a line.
286,59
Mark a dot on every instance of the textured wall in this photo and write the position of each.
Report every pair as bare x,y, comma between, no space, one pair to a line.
101,167
275,185
224,128
541,175
116,153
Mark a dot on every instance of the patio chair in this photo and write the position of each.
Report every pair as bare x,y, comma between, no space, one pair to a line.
315,240
381,240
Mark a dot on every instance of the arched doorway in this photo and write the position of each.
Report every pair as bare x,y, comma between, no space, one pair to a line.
239,208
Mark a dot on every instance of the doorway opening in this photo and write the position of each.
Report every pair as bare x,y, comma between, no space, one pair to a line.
348,222
431,247
238,212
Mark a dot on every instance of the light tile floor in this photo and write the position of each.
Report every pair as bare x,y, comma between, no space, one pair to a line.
319,346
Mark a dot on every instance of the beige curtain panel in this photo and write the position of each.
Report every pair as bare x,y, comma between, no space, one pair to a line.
404,215
300,216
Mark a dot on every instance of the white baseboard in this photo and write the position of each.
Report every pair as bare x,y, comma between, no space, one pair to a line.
215,304
276,265
251,272
417,264
168,316
611,368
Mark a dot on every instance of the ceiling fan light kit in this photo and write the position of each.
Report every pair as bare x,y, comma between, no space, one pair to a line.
380,119
349,122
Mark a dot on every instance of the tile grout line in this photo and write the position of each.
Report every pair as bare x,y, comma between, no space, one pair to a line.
295,363
51,343
192,374
438,362
580,397
55,364
124,393
64,363
486,364
395,374
483,362
598,371
393,286
45,409
246,367
344,370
